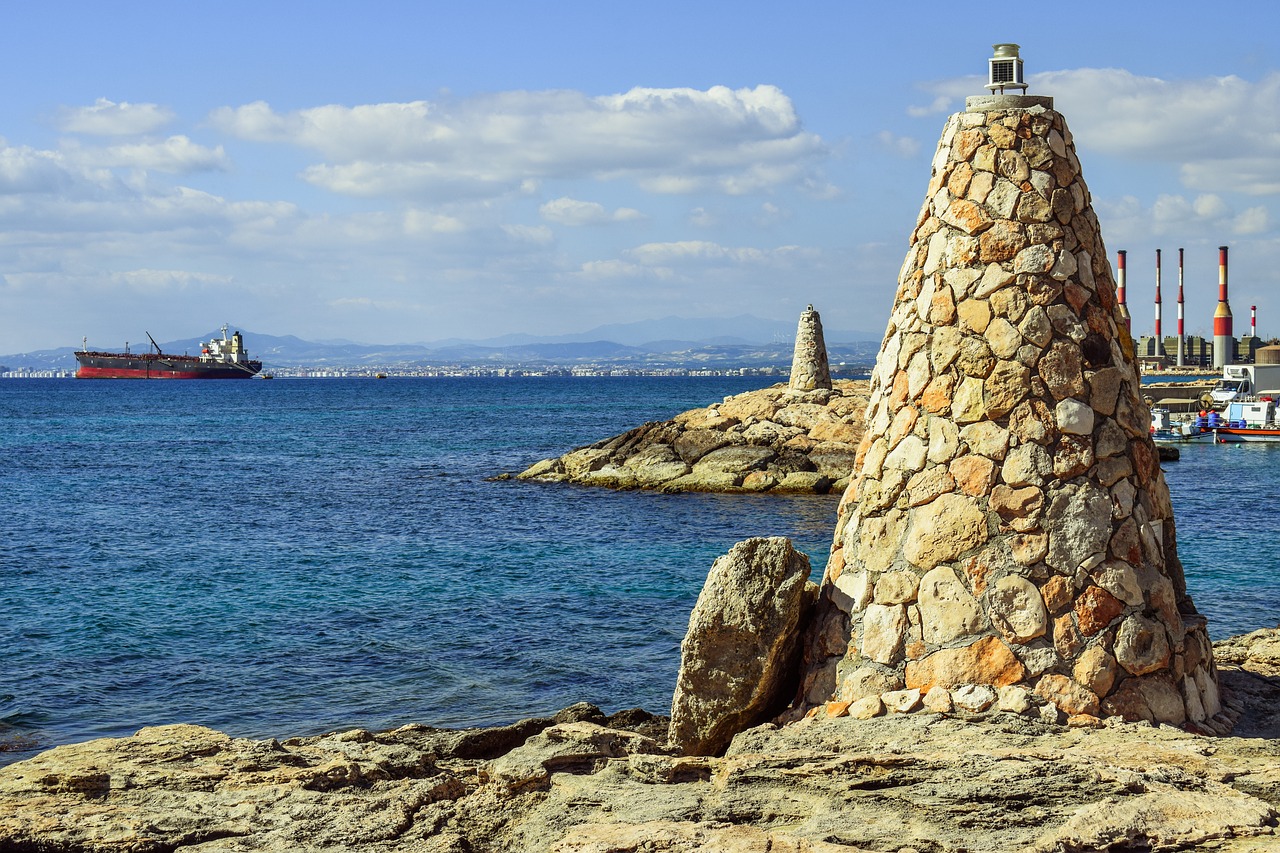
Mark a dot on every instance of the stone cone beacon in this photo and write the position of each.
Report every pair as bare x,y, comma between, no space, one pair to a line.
1008,538
810,370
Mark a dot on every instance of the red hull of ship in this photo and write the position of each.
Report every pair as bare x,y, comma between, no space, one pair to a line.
1234,434
104,365
125,373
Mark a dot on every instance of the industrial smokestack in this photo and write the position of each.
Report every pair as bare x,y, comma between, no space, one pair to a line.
1159,349
1253,321
1224,345
1121,305
1181,333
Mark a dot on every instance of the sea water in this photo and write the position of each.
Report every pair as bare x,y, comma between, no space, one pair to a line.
304,555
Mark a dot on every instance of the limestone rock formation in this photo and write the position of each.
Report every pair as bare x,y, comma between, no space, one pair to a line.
809,368
1009,531
997,781
773,440
740,656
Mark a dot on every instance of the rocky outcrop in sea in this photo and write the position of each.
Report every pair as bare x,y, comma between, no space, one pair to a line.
777,439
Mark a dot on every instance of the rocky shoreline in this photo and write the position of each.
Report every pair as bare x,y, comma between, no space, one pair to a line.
775,439
582,781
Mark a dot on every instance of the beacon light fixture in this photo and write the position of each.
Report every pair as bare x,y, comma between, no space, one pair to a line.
1006,69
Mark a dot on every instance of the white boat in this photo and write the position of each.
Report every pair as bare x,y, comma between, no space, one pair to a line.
1166,430
1253,420
1241,421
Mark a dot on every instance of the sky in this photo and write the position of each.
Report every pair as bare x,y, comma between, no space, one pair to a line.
412,172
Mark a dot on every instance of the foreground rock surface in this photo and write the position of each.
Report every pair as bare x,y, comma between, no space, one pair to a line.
776,439
582,782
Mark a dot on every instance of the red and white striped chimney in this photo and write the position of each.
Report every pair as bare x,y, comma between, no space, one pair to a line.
1159,348
1181,333
1224,344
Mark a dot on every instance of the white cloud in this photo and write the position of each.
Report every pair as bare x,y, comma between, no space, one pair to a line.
905,147
177,154
108,118
568,211
1251,175
770,214
1222,132
64,195
424,221
1177,215
77,172
29,170
940,105
535,234
1255,220
666,140
616,269
702,217
703,252
1209,206
156,281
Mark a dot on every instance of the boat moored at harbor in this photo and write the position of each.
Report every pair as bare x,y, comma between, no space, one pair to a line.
224,358
1244,421
1250,421
1164,429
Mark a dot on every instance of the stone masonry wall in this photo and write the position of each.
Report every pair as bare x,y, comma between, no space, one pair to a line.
1008,540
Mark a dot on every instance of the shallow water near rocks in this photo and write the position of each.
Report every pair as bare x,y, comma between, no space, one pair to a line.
297,556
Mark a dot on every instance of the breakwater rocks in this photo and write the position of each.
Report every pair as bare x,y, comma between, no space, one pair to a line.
582,782
777,439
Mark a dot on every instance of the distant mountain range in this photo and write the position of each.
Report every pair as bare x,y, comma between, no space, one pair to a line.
743,341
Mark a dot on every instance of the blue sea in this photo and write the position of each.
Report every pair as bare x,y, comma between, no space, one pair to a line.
303,555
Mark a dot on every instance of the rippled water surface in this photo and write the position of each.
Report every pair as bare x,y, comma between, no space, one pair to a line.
296,556
301,555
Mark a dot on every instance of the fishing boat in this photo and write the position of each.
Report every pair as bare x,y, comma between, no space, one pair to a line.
1166,430
219,359
1253,420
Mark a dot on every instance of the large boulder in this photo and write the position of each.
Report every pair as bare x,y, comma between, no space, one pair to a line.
739,660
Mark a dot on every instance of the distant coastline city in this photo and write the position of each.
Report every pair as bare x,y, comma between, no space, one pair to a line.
592,370
756,353
640,351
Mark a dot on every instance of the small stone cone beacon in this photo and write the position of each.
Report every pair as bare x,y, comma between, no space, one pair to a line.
810,370
1008,536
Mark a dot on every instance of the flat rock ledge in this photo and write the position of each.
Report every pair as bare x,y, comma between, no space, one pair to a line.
581,781
772,440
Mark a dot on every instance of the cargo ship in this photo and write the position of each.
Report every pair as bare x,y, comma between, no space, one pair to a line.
218,359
